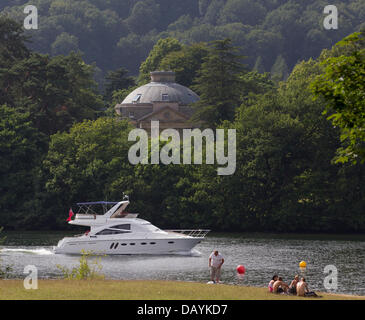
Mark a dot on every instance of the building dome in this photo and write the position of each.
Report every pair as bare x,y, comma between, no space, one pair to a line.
162,99
161,88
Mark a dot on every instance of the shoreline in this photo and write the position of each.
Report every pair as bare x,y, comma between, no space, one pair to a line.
60,289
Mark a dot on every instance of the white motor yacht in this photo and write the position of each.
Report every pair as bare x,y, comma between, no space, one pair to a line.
119,232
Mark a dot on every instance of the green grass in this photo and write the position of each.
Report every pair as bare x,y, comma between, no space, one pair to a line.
142,290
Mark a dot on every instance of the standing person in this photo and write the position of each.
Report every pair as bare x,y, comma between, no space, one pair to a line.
216,261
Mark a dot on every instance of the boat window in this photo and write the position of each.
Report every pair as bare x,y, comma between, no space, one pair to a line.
122,226
152,242
171,242
132,244
109,231
143,243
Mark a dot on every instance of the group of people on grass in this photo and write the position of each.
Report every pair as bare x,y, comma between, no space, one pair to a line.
298,286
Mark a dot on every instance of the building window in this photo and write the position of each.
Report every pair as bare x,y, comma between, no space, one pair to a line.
165,97
131,114
136,98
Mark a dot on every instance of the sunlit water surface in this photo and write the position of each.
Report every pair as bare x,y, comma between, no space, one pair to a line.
262,255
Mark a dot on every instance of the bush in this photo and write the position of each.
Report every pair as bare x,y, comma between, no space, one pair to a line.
84,271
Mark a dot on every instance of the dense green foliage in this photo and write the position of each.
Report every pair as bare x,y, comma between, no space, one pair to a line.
115,81
89,161
218,84
115,33
58,147
343,87
55,91
21,150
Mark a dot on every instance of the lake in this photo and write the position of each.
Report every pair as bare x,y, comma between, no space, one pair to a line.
263,255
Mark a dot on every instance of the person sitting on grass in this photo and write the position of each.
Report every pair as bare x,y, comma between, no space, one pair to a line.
280,286
271,283
303,291
293,285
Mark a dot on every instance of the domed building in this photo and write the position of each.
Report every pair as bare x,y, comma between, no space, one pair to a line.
162,99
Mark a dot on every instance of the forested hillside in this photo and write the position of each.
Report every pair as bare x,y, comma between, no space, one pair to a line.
272,34
300,141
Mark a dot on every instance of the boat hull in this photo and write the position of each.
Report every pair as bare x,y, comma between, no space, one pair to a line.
127,247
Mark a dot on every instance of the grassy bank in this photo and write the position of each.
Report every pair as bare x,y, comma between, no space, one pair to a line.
138,290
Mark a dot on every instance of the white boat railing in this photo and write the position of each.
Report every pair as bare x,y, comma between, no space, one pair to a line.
195,233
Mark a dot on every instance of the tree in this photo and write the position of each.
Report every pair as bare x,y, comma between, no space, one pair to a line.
55,91
64,44
160,50
185,63
88,163
132,50
213,11
285,178
279,70
145,16
284,22
254,83
259,65
21,151
181,24
117,80
342,85
218,84
246,11
12,42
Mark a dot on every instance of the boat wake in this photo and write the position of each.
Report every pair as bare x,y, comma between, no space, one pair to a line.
38,251
191,253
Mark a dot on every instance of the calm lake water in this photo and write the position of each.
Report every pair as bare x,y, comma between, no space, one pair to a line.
262,255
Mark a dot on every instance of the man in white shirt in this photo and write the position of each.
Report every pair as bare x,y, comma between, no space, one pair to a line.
215,263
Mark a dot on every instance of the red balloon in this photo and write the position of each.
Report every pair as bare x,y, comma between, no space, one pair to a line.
241,269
